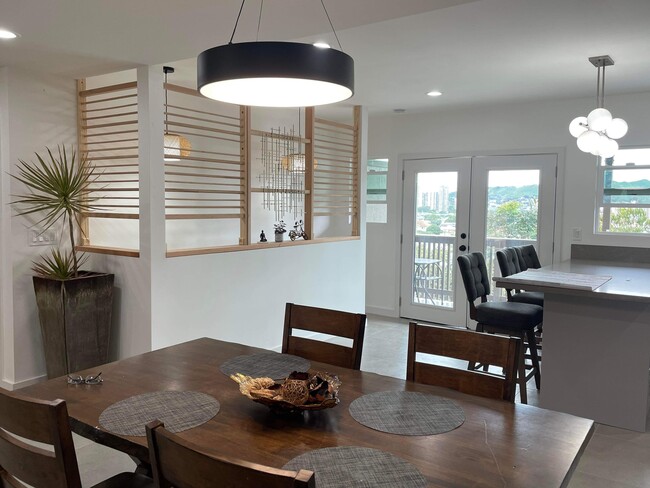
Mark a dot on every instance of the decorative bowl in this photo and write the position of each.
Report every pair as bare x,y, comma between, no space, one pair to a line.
299,392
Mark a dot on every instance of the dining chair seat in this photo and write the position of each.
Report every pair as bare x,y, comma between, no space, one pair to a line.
124,480
510,314
531,297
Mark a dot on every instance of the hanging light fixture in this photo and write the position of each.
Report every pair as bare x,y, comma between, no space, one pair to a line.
275,74
175,144
295,161
598,131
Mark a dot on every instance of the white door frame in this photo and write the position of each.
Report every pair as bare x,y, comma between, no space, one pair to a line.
560,152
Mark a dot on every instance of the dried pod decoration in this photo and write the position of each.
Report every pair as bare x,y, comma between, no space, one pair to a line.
295,388
299,391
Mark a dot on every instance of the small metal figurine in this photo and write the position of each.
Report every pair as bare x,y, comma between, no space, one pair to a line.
262,237
295,233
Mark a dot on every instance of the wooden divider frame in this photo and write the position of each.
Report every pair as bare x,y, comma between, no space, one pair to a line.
337,174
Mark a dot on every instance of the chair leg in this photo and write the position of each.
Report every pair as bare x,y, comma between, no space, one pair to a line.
521,374
532,347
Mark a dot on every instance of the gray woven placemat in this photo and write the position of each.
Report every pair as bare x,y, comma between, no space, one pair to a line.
265,364
352,467
407,413
179,410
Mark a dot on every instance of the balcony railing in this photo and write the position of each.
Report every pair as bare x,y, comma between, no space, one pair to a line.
436,284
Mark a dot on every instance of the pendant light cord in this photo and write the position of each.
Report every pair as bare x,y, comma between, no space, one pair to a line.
237,21
331,25
259,21
166,106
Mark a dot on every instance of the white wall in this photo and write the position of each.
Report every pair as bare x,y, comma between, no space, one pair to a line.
237,296
37,111
490,129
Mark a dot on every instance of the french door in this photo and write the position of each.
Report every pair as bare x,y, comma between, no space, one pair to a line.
457,205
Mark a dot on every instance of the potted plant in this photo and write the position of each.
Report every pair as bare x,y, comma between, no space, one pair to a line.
74,306
280,228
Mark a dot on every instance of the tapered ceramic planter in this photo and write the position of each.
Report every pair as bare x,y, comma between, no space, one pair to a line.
75,317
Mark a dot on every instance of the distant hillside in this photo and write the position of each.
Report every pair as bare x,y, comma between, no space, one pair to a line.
501,194
631,184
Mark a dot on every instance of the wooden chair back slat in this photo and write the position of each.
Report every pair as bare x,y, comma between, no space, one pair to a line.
179,464
324,352
332,322
41,421
28,418
466,345
30,464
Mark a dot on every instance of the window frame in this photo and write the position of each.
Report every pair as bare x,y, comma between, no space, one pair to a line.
601,205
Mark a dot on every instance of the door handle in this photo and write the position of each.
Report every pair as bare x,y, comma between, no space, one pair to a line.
463,247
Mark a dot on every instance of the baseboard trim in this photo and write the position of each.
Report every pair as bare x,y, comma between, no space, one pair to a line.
22,384
383,311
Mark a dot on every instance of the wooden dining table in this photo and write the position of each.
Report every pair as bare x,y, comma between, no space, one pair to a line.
499,444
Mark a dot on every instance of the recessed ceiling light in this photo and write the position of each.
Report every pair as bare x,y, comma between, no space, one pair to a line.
434,93
322,45
5,34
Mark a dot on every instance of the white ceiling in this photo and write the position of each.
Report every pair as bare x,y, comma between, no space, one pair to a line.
475,52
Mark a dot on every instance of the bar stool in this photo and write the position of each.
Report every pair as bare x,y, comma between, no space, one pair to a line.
510,318
509,264
527,257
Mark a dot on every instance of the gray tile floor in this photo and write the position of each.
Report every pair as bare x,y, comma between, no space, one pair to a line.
613,458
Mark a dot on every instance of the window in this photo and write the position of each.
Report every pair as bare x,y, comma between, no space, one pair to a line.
624,193
377,206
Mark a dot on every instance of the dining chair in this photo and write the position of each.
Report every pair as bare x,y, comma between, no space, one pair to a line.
23,423
511,318
466,345
508,265
178,463
331,322
527,257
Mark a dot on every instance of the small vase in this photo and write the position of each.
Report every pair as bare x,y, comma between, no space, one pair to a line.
279,237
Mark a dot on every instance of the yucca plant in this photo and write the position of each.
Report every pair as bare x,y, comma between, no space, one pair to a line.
58,189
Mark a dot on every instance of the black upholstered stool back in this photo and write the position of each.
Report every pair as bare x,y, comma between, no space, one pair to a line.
527,257
475,275
508,261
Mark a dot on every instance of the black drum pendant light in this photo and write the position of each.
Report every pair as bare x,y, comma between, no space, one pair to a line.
275,74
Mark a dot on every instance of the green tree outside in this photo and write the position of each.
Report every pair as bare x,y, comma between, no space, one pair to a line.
631,220
511,220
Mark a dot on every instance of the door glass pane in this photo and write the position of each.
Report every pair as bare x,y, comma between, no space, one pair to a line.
435,239
512,215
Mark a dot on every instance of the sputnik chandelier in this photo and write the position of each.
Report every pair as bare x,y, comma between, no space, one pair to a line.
598,131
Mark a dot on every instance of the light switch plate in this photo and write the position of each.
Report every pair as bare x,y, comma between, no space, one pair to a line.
577,233
40,237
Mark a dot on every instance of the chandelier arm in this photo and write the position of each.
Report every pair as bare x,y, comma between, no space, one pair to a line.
598,87
602,90
259,21
331,25
237,21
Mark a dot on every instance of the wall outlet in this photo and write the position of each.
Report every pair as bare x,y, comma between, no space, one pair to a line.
577,233
40,237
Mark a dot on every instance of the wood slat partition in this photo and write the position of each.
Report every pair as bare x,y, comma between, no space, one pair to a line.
105,115
214,165
209,182
335,180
